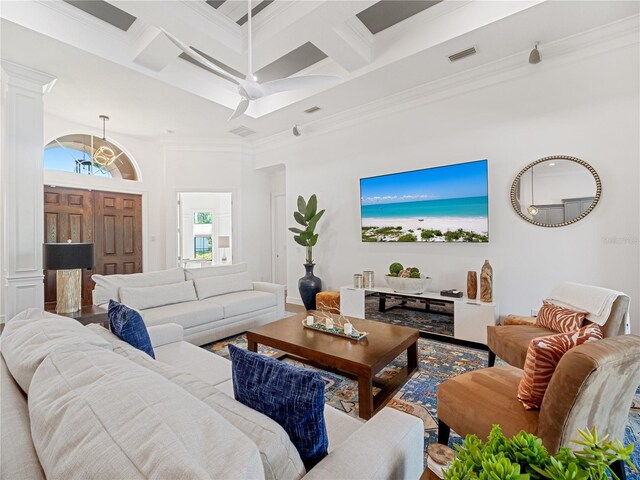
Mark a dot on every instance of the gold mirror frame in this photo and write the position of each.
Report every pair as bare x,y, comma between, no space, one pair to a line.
516,184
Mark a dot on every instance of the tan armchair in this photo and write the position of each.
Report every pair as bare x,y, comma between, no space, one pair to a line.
510,342
593,385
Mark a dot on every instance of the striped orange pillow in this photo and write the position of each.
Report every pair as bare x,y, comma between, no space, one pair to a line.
559,319
543,356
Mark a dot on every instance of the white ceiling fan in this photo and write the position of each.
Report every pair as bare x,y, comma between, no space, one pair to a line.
248,88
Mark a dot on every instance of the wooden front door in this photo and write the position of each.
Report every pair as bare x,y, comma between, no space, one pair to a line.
113,221
118,232
68,215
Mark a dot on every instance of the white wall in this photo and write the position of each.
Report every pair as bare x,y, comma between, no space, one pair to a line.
148,155
583,106
202,168
181,166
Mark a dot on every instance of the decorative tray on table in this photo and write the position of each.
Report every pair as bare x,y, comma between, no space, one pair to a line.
336,330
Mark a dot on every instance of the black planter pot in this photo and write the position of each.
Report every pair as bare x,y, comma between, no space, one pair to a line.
308,286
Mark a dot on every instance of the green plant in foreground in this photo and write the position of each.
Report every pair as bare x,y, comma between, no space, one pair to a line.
308,217
524,457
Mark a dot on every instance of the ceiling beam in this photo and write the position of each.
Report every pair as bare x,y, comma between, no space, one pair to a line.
236,9
194,23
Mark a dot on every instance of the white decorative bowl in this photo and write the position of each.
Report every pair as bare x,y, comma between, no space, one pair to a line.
408,285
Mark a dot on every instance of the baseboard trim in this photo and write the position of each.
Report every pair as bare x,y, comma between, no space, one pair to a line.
294,300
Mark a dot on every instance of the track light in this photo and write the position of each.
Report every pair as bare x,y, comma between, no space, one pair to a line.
296,131
534,56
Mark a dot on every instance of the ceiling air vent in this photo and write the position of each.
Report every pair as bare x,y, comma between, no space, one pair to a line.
312,109
242,131
464,53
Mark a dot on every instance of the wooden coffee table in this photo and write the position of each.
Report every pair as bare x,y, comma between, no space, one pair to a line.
361,359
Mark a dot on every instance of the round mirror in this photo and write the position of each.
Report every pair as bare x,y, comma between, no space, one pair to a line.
555,191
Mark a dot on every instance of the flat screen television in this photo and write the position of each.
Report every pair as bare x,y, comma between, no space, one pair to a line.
440,204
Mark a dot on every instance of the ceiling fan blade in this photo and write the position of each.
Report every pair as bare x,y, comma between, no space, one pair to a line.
298,83
200,59
240,109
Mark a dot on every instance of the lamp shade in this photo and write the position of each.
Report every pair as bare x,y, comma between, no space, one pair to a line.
223,242
68,256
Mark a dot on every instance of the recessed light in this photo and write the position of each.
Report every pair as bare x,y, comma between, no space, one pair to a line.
552,164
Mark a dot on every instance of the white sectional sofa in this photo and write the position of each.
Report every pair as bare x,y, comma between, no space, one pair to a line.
210,303
76,402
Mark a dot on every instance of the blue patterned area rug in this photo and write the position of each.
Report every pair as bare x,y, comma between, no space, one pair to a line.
433,322
438,362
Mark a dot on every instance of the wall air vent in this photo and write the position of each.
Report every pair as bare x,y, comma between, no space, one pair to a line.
242,131
463,54
312,109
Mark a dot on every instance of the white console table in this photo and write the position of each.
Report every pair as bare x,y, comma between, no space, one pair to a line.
470,317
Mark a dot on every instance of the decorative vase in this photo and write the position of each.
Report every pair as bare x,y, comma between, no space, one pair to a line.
472,285
309,286
486,282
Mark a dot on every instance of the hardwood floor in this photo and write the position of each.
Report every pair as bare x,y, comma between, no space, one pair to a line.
291,307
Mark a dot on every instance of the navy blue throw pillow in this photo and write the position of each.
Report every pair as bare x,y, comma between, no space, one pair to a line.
292,396
127,324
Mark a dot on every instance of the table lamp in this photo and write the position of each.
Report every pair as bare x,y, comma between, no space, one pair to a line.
68,259
223,242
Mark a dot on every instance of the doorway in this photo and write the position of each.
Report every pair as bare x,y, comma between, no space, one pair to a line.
113,221
279,254
205,229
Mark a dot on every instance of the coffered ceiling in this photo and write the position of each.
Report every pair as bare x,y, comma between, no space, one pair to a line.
112,57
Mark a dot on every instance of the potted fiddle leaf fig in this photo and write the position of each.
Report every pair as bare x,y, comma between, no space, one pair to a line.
307,216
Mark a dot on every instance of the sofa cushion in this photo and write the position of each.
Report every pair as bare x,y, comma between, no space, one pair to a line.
280,458
213,286
188,314
215,271
95,414
292,396
239,303
107,285
559,319
495,389
510,343
18,458
30,336
142,298
543,356
127,324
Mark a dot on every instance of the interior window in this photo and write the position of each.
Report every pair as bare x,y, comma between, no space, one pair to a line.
76,154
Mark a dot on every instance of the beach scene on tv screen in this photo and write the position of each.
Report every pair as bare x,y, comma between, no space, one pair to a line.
440,204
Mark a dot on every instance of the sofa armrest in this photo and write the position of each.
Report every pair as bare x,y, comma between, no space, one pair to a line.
389,446
165,334
277,290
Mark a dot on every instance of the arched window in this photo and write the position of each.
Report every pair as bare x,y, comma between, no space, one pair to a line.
75,153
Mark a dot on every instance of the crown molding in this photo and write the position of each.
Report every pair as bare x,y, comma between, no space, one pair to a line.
84,18
275,11
213,16
28,78
621,34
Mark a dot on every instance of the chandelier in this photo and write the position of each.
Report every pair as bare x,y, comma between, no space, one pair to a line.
104,155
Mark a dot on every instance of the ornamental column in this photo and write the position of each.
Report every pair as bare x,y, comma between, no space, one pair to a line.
21,188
